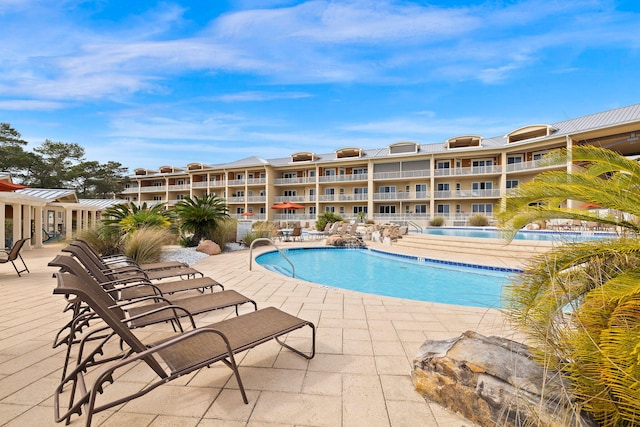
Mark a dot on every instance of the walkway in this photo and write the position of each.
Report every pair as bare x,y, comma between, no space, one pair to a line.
359,377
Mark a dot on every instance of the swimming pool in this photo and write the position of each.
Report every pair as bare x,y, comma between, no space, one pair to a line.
494,233
376,272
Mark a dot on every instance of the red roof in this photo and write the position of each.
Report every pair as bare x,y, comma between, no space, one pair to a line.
9,186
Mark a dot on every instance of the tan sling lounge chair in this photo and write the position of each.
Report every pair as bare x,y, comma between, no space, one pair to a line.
136,313
14,254
135,284
168,359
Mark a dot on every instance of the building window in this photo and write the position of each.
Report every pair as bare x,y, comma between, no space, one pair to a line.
329,209
312,210
421,188
329,172
443,186
290,175
442,209
329,192
387,209
360,190
512,183
484,208
341,210
388,189
420,209
443,164
514,159
289,193
157,198
358,209
482,185
360,171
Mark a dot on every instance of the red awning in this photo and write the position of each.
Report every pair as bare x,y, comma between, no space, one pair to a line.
10,186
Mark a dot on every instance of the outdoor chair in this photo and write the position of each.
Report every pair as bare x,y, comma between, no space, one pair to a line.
91,261
296,234
14,254
122,259
136,284
170,358
140,312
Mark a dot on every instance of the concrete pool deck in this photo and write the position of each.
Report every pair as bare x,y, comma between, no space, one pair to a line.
360,375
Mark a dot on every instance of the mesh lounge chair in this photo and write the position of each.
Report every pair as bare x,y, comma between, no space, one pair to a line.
133,267
137,313
169,359
122,259
133,283
296,234
14,254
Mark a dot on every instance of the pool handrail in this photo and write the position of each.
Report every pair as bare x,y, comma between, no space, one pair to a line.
266,239
414,225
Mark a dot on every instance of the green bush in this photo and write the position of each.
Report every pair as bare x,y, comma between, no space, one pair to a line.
250,236
326,217
437,221
145,244
478,220
224,232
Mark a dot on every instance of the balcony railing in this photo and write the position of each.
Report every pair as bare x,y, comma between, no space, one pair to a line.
237,199
344,177
236,182
392,196
179,187
289,181
130,190
256,181
401,174
200,184
534,164
153,189
256,199
294,199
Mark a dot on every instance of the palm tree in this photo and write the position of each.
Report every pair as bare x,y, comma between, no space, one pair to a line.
580,302
130,217
200,215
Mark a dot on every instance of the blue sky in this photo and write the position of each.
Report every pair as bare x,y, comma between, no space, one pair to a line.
152,83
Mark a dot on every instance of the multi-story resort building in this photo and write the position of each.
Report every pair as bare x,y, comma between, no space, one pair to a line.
405,181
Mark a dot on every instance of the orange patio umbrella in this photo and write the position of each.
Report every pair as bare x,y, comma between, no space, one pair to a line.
287,205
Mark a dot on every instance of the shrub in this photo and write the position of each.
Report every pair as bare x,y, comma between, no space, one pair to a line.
250,236
478,220
326,217
105,239
145,244
437,221
225,232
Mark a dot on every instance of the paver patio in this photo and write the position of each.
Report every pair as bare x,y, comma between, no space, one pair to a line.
360,375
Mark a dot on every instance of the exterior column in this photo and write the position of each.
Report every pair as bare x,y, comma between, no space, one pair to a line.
26,225
68,223
17,222
37,238
3,220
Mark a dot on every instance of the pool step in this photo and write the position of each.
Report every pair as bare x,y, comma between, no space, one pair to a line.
472,249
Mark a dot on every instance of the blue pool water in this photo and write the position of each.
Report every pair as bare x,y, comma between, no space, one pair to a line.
494,233
376,272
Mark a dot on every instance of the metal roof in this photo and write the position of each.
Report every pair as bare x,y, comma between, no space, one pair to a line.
58,195
101,204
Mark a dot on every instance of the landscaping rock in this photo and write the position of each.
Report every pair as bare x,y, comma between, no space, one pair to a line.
492,381
209,247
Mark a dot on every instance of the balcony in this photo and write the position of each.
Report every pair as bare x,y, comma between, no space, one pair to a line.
236,199
344,177
236,182
401,174
131,190
475,170
353,197
179,187
200,184
534,164
153,189
391,196
294,199
292,181
256,181
467,194
256,199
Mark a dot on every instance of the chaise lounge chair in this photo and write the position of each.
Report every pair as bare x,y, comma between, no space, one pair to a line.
14,254
136,313
170,358
132,282
132,267
122,259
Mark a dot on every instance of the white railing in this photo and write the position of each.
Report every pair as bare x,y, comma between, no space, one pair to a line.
256,199
200,184
153,189
254,181
239,199
391,196
534,164
178,187
295,199
130,190
352,197
401,174
237,182
303,180
344,177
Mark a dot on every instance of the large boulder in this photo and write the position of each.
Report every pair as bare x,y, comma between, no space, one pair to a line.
209,247
492,381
